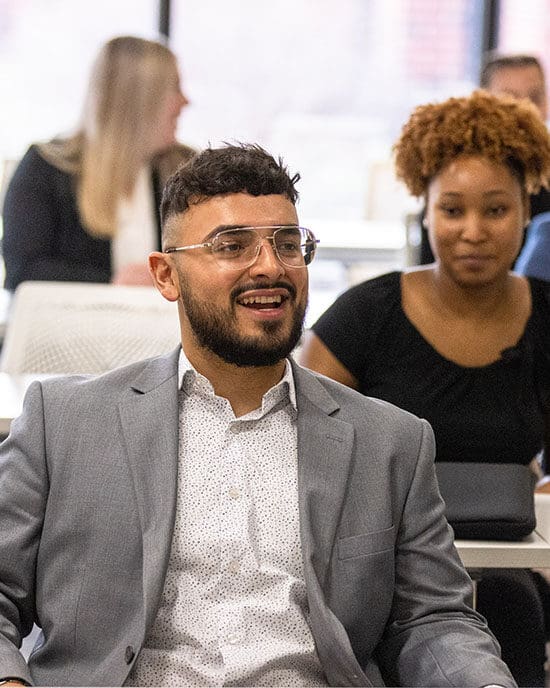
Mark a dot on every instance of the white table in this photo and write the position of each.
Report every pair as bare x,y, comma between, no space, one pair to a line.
12,391
352,241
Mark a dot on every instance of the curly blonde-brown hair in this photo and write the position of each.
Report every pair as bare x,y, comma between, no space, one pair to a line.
500,128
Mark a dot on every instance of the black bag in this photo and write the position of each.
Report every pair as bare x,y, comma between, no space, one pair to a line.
488,501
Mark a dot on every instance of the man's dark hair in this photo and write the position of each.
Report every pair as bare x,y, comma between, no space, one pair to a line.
240,168
494,61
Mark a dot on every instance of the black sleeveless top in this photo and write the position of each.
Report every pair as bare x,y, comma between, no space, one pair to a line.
491,413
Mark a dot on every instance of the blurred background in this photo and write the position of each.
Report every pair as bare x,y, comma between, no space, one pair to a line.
325,83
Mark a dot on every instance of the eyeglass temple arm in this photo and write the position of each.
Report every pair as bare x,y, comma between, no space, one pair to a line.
186,248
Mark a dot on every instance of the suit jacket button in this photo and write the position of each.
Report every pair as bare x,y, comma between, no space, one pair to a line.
129,654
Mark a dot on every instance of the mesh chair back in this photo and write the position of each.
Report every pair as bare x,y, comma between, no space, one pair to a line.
73,327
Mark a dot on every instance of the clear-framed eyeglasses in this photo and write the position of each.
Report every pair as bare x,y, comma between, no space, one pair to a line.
238,249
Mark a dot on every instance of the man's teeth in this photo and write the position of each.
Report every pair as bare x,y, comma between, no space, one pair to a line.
261,299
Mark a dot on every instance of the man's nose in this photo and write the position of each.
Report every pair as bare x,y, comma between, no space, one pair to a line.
267,262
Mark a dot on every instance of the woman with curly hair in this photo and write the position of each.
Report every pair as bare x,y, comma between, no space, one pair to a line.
84,207
463,342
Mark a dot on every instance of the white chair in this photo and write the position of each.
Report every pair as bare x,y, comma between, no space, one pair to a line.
73,327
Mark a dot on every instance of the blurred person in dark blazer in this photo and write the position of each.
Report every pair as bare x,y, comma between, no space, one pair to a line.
85,207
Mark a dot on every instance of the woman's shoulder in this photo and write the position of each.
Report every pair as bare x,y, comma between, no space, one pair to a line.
168,161
380,288
34,156
538,330
61,155
540,292
362,323
372,299
36,167
178,151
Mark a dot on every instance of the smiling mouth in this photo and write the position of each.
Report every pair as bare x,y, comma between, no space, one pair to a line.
261,301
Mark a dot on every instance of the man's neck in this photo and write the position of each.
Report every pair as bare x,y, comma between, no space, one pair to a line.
243,387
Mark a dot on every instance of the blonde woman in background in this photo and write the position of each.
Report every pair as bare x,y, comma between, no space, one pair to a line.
85,208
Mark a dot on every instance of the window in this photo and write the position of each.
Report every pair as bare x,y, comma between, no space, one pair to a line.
46,50
524,27
325,83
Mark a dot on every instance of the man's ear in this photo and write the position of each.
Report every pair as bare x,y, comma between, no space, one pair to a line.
165,277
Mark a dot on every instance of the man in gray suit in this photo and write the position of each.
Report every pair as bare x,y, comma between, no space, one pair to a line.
219,515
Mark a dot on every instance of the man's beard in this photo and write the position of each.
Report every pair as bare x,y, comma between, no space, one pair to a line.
218,331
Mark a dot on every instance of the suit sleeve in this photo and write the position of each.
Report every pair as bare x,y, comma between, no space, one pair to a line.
33,213
433,636
23,495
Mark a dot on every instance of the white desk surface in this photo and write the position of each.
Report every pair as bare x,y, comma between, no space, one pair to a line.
532,552
12,391
358,234
352,241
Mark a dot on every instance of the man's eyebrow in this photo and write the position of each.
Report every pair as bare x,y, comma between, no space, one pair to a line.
222,228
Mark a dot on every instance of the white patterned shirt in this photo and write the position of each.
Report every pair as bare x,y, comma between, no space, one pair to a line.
233,607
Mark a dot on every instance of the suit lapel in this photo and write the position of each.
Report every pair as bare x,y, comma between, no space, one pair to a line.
324,454
149,418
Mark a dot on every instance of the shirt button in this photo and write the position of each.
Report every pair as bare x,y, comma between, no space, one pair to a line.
233,639
234,492
129,654
234,566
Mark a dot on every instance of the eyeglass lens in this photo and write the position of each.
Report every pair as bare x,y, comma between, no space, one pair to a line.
237,247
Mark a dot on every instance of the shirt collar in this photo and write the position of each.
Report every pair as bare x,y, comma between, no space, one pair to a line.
286,384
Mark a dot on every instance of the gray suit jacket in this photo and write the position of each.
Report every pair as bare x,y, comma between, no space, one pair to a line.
87,504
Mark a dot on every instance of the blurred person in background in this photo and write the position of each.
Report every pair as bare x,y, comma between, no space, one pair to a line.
520,76
534,259
85,208
463,342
